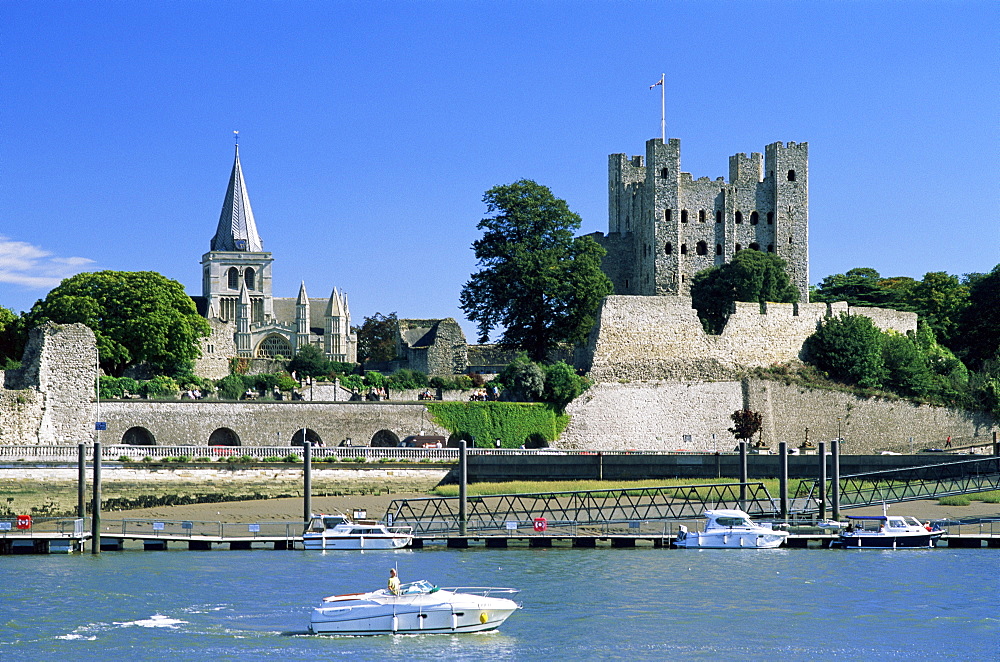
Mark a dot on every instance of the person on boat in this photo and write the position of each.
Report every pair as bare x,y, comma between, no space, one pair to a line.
393,581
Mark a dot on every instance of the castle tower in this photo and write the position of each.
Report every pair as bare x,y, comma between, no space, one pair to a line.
302,318
664,226
237,258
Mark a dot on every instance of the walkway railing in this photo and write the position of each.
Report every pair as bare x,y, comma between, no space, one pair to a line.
440,515
217,453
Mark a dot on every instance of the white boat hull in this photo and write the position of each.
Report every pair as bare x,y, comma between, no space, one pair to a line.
734,540
321,542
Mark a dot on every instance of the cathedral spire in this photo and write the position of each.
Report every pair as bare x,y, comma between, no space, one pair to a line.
237,230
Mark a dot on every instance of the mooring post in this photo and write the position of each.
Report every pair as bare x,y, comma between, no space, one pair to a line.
835,482
743,474
783,478
306,479
463,483
81,481
95,522
600,465
822,480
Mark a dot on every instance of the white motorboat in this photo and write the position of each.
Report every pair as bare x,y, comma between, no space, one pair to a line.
418,608
730,529
340,532
886,531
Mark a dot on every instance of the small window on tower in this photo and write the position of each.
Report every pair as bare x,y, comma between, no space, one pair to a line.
770,218
665,173
791,175
684,249
789,240
755,246
754,218
684,216
668,249
234,278
701,215
739,217
666,215
718,249
739,247
718,217
249,276
770,248
701,248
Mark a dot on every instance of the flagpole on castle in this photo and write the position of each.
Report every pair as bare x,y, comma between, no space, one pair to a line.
663,106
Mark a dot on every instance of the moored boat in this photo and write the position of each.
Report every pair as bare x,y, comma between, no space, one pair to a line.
886,531
730,529
417,608
340,532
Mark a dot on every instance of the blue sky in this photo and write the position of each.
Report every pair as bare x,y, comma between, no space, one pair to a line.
370,131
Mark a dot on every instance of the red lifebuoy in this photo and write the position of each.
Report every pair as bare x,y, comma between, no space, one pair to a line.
541,524
24,521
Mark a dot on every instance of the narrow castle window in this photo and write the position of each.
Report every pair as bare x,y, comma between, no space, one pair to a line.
665,173
718,249
739,217
791,175
701,215
668,249
234,278
718,217
754,218
755,246
789,240
248,278
684,249
626,283
739,247
684,216
770,248
701,248
770,218
666,215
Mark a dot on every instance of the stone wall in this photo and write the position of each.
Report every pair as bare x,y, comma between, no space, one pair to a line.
661,338
694,416
216,350
50,399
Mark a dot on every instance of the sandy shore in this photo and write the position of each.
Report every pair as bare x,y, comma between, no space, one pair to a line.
269,510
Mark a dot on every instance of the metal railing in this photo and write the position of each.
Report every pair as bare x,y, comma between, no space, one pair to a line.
42,526
440,515
192,529
112,453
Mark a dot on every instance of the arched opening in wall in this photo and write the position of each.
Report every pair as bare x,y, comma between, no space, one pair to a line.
718,249
536,440
667,214
701,215
791,175
754,246
754,218
459,436
274,346
770,218
665,173
739,217
739,247
249,277
718,217
385,439
668,249
138,436
310,436
233,276
701,248
223,437
684,216
684,249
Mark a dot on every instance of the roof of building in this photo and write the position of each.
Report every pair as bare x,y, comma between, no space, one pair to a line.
237,229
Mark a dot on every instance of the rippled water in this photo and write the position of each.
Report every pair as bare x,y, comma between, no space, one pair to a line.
584,604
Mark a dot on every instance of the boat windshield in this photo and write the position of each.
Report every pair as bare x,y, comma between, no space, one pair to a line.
419,586
732,521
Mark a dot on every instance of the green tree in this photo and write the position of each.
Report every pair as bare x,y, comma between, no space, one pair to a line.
746,423
750,276
537,281
979,332
137,316
377,338
309,361
523,380
12,338
939,300
562,385
906,369
862,286
849,349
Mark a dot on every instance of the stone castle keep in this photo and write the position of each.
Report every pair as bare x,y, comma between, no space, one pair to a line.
664,226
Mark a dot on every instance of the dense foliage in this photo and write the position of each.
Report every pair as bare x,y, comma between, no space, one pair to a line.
137,316
377,338
746,423
537,282
750,276
512,423
557,384
12,338
309,361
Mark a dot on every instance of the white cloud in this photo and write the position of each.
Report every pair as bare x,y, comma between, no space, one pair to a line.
33,267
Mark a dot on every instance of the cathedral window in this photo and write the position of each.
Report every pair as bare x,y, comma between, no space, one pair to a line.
718,217
684,216
791,175
668,249
739,217
666,215
701,215
249,276
702,248
770,218
684,249
754,218
274,346
234,278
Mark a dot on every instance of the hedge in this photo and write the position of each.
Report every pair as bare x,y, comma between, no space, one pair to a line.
511,422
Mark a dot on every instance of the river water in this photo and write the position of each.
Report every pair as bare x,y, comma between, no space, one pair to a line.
579,604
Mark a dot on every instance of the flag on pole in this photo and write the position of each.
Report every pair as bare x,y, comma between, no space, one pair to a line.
659,82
